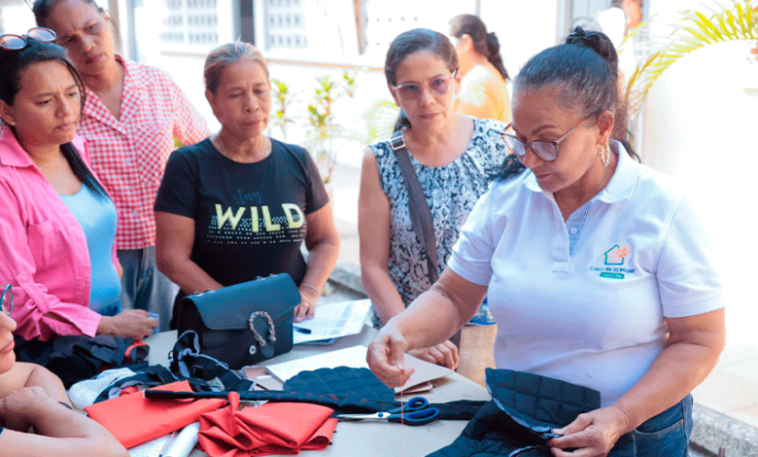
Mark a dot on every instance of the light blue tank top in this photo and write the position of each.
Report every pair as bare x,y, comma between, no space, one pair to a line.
97,216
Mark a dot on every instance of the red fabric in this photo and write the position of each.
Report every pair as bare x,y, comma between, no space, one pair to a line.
128,391
135,345
274,428
134,419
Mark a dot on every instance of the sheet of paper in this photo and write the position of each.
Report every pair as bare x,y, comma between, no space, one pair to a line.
182,445
333,320
355,357
149,449
262,378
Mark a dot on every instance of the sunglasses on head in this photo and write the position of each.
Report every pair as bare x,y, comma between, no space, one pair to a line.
438,85
11,42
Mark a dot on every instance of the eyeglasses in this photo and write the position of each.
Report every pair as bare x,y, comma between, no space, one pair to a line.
11,42
438,85
545,150
7,300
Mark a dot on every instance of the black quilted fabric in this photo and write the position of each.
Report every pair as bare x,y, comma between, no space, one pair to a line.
538,402
345,382
521,416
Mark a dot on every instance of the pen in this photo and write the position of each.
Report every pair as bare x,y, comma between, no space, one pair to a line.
167,444
304,330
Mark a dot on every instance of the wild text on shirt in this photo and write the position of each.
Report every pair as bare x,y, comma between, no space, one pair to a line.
295,217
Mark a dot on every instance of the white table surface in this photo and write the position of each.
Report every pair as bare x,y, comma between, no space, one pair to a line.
367,439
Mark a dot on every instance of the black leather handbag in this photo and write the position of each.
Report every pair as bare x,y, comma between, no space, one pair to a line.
245,323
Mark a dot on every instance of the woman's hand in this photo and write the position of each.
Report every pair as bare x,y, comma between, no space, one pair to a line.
129,323
386,356
19,408
444,354
307,307
592,434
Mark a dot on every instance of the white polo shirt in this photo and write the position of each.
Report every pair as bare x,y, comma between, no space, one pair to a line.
592,315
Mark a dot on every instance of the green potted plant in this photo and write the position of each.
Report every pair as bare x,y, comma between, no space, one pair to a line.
282,98
321,118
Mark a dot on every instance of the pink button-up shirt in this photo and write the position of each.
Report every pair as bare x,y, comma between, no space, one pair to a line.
43,250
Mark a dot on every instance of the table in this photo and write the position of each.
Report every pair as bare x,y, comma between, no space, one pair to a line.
367,439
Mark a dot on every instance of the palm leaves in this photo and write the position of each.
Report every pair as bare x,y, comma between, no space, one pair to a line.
738,21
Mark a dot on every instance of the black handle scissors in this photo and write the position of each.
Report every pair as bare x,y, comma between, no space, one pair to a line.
416,411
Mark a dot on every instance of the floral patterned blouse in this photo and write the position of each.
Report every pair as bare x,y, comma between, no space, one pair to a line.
451,192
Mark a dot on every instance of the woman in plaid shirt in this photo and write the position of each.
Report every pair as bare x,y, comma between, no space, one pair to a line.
132,115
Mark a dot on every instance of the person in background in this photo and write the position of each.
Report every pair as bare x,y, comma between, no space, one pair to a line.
239,205
30,395
596,267
131,117
58,224
483,93
617,22
452,155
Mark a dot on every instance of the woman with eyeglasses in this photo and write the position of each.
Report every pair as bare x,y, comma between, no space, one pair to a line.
58,224
131,119
596,268
32,396
453,157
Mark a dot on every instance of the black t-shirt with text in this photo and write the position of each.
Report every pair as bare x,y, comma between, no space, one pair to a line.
249,217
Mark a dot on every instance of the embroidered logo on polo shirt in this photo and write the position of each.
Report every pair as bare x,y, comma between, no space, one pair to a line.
615,265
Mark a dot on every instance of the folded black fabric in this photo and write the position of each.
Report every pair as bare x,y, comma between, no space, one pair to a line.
75,358
457,410
344,382
204,373
187,362
520,418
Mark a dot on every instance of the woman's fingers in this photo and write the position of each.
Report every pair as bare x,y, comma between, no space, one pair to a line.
134,323
581,422
451,354
311,311
385,357
301,311
591,434
424,354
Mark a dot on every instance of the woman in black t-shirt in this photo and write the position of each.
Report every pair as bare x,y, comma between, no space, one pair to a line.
239,204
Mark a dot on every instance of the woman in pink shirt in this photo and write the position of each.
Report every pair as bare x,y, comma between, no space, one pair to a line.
132,115
45,230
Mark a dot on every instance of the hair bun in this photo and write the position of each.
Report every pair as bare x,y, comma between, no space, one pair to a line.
597,41
493,44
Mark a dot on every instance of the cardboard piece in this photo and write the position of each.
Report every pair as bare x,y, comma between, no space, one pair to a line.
355,357
262,377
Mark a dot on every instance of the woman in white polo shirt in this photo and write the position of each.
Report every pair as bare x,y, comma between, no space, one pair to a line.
595,267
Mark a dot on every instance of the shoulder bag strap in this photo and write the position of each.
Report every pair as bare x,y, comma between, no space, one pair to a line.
421,214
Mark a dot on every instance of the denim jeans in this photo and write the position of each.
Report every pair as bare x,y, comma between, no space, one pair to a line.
110,310
667,434
144,287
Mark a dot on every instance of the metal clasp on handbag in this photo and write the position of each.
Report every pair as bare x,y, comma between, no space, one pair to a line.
267,348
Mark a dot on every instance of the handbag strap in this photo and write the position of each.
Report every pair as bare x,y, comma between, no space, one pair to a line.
418,207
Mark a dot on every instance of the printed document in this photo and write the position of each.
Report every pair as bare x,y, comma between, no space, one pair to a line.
333,320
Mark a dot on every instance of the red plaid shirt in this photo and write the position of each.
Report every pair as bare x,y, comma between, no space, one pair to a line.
129,154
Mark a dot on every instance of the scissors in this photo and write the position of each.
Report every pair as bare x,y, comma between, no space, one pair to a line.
416,411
